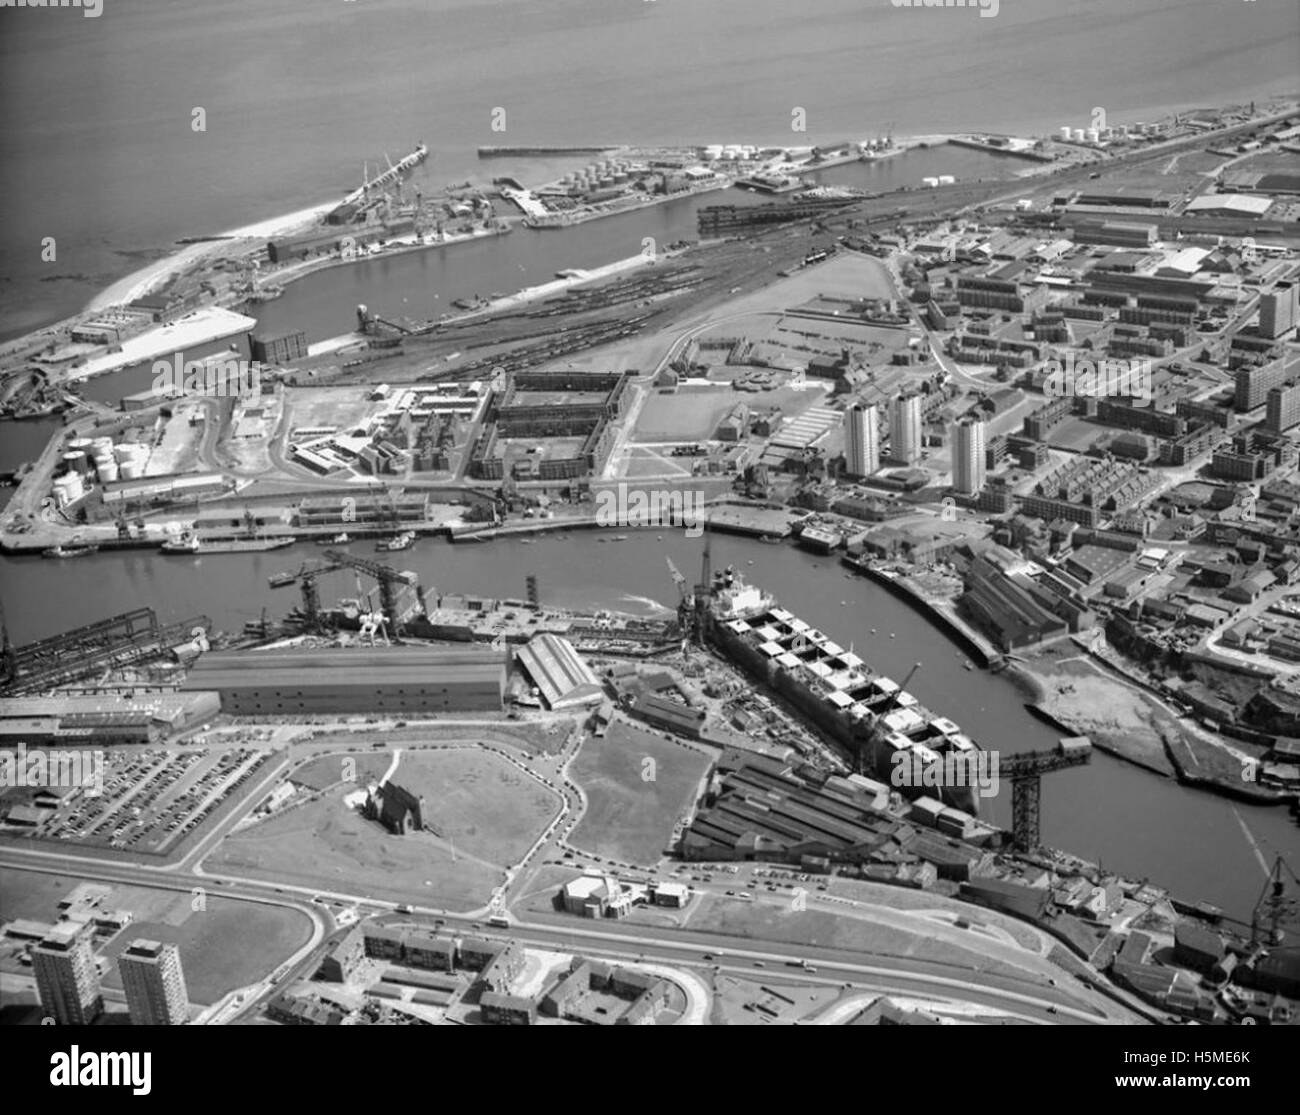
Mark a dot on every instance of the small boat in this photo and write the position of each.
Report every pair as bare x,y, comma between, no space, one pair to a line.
403,541
620,538
337,540
61,551
892,635
873,630
184,543
968,665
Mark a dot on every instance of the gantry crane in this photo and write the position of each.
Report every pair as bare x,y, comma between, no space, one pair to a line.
305,578
388,578
1025,773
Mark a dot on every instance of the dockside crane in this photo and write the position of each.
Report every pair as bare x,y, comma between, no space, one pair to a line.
1275,907
388,578
892,699
685,605
1025,772
305,579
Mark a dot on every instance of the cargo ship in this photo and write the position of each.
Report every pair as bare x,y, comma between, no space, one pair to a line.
187,542
869,715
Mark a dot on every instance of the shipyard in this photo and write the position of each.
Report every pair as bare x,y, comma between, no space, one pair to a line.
824,571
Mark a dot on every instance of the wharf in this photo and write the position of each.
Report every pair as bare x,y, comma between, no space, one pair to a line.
754,522
981,143
198,328
945,615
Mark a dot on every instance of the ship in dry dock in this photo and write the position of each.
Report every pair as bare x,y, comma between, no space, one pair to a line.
869,715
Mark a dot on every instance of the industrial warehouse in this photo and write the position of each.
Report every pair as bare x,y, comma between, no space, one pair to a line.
351,680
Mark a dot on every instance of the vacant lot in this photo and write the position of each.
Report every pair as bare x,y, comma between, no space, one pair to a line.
628,817
693,413
781,923
227,944
483,811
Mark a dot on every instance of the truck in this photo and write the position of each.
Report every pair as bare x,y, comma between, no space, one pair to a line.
499,920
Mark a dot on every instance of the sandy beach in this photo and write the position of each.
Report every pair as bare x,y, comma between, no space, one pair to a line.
149,278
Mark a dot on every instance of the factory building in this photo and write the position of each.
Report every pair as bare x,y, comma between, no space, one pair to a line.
862,439
968,438
154,984
352,680
67,978
905,436
562,678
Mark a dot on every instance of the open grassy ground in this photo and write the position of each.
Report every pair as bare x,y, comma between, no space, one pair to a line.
783,924
629,819
693,413
327,846
485,813
326,770
229,944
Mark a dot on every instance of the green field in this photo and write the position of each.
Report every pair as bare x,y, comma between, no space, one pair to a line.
628,818
782,924
326,770
228,944
484,811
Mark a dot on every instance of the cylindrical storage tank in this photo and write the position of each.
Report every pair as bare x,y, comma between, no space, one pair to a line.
84,444
102,445
107,471
947,180
1065,131
74,461
1094,135
130,470
1080,135
123,452
930,182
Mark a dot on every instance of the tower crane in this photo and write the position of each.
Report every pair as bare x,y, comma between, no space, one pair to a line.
1025,773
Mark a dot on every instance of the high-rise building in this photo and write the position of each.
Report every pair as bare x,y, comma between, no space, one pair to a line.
1254,383
66,976
861,439
1279,310
968,438
154,983
905,430
1283,408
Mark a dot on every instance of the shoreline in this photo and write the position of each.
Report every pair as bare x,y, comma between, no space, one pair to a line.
144,280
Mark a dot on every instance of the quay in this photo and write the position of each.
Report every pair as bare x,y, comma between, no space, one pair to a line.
944,615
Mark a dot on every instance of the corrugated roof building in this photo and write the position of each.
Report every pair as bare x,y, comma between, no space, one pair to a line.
559,672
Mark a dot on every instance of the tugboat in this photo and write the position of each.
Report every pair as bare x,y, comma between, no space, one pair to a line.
403,541
187,542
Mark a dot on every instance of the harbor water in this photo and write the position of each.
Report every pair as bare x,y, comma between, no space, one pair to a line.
104,157
1132,821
